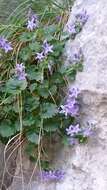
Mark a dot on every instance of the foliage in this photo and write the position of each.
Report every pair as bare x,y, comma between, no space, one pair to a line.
31,106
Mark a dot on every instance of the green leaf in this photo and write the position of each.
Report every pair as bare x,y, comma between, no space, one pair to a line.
71,74
32,87
15,86
53,89
31,103
17,126
58,48
57,79
33,137
45,164
29,121
25,54
43,92
30,150
8,100
26,37
35,46
51,29
35,75
6,129
43,89
80,67
48,110
51,126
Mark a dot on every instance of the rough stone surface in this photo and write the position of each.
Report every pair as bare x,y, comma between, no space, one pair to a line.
7,166
86,165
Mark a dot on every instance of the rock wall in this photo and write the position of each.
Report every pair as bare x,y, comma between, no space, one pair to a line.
7,165
86,165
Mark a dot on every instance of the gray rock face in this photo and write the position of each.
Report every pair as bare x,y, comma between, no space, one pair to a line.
7,166
86,165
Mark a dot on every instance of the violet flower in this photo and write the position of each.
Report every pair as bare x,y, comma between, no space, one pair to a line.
20,72
71,29
5,45
32,22
87,132
70,109
73,130
47,48
79,21
73,92
82,17
58,18
40,56
71,106
52,175
77,57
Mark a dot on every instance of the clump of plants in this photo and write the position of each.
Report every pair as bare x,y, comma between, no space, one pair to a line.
33,83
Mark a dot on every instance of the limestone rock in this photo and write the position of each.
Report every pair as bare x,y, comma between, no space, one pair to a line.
7,166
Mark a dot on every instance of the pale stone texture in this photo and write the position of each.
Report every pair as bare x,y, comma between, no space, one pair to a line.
86,165
7,166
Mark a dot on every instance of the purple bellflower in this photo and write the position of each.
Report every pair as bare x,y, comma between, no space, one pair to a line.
73,92
70,109
71,29
5,45
82,17
77,57
58,18
79,21
32,22
40,56
73,130
52,175
20,72
71,106
47,48
88,130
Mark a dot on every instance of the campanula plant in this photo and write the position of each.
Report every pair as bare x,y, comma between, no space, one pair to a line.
32,84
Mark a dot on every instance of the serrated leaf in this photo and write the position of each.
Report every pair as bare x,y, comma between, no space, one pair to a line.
43,92
57,78
33,137
32,87
6,130
26,37
35,46
51,127
31,103
51,29
48,110
15,86
53,90
25,54
29,121
43,89
35,75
